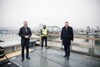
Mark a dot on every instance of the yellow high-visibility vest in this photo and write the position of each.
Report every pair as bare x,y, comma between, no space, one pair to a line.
44,32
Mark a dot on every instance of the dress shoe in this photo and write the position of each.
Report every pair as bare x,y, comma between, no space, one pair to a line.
28,57
22,59
46,47
65,55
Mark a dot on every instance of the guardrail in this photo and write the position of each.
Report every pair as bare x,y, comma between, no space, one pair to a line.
14,45
91,49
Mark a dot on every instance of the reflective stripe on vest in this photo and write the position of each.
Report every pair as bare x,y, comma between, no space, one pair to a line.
44,31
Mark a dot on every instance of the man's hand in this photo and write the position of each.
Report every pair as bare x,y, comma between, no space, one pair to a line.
26,36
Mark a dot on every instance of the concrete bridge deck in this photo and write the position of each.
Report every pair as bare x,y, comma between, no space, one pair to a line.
53,57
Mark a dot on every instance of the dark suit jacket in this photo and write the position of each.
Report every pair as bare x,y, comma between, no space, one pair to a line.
22,33
67,35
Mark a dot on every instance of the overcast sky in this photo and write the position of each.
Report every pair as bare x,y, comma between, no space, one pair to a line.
79,13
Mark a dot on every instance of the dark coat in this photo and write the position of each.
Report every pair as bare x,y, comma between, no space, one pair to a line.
22,33
67,35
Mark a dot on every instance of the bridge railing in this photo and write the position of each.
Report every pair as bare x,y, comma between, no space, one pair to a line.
89,48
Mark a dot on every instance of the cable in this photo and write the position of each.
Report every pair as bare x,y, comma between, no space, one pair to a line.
49,59
52,60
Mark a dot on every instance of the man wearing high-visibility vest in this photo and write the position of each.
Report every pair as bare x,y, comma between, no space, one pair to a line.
44,34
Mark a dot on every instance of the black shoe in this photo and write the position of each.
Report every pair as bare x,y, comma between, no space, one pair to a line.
22,59
28,57
46,47
65,56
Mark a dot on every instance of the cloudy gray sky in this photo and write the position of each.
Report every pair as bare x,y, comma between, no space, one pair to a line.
79,13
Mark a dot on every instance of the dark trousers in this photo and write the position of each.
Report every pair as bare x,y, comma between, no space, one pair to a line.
67,50
42,41
25,45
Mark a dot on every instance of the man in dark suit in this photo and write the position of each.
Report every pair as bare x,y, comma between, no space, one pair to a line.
67,37
25,34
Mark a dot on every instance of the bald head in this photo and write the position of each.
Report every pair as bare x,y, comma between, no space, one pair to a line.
25,23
